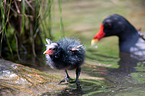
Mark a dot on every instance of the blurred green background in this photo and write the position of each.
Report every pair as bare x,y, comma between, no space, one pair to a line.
26,23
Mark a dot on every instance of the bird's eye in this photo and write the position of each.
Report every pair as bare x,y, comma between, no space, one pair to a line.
54,49
108,24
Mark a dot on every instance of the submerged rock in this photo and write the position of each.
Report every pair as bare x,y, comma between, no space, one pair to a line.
19,80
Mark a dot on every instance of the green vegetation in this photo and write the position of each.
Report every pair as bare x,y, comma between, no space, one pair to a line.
19,28
24,27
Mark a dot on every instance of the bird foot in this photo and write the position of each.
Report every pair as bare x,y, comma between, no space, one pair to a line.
69,80
66,80
77,83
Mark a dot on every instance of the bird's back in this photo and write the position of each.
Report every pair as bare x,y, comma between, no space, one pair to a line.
139,48
74,58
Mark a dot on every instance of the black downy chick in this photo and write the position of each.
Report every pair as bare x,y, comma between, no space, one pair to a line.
66,54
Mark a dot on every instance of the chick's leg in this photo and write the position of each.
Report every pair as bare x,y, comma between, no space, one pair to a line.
78,70
66,75
67,78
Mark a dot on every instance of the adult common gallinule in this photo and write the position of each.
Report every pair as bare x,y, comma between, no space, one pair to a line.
66,54
129,38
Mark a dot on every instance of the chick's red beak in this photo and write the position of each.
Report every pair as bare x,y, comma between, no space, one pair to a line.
49,52
98,36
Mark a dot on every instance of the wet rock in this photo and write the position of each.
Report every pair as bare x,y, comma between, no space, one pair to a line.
19,80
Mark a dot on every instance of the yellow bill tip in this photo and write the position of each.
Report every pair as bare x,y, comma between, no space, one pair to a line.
94,41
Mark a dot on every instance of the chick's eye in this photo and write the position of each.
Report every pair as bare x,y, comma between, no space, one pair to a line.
54,48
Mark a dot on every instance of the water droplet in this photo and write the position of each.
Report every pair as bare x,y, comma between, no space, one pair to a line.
96,46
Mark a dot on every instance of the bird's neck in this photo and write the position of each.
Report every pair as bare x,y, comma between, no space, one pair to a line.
128,38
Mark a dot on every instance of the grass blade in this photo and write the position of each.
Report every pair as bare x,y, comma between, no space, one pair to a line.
49,15
4,22
23,17
61,22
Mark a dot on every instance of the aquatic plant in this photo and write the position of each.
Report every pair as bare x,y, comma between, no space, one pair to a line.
24,24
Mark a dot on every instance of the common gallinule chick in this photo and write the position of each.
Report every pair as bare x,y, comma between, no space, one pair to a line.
66,54
130,40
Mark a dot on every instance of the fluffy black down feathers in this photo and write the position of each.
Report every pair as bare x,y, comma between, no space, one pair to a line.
66,54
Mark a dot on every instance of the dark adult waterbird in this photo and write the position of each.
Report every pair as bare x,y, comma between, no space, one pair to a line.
130,39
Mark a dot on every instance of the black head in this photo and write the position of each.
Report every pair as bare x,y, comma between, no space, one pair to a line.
51,48
114,25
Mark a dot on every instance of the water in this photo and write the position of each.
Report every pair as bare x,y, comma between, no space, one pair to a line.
104,75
